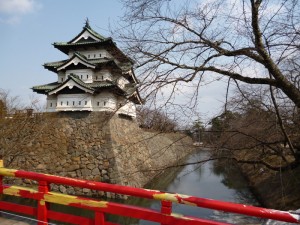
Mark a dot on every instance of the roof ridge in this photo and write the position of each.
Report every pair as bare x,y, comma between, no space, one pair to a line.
93,32
55,62
80,55
76,79
64,43
73,75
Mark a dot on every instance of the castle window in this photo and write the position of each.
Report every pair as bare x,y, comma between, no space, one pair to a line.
104,103
87,76
85,102
67,103
96,77
62,79
79,103
98,103
51,104
73,102
89,56
94,55
61,103
102,77
81,76
100,55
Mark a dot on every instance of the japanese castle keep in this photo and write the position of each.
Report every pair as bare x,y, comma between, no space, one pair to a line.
97,76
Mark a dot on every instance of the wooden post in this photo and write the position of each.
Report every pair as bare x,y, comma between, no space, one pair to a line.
42,208
166,208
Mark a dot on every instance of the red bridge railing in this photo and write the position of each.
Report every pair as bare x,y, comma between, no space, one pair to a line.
43,195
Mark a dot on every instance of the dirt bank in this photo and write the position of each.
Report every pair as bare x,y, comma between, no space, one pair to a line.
279,190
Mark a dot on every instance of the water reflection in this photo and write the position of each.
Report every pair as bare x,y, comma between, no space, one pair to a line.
212,179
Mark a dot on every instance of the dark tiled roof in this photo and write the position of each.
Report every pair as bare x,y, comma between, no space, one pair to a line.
54,65
93,61
125,67
129,89
88,28
67,44
82,56
46,87
77,80
91,86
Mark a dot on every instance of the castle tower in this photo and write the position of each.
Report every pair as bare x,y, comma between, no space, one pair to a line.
97,76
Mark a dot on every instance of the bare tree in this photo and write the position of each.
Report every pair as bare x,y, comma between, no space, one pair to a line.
258,128
18,127
183,42
155,120
178,45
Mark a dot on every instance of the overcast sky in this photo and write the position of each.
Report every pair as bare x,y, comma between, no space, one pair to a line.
29,27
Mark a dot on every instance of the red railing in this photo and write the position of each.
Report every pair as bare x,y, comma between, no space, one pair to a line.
44,196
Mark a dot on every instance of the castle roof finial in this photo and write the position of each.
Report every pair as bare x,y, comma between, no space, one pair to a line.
87,23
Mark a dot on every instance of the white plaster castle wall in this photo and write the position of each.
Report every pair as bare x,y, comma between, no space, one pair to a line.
105,101
122,82
61,77
94,54
126,107
86,75
71,102
51,103
103,75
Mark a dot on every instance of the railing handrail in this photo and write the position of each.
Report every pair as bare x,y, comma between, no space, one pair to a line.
157,195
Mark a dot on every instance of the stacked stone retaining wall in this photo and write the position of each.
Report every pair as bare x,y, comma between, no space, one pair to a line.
102,147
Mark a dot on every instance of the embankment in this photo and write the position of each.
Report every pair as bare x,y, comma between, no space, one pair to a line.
274,189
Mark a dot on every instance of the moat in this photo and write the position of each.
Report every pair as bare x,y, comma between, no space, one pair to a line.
213,179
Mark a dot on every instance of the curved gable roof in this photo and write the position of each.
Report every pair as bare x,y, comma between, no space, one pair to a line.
52,66
90,38
73,80
75,59
87,32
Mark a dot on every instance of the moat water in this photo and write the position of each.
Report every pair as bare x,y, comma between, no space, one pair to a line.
213,179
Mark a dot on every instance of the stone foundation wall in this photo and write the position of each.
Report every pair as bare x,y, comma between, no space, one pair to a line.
100,147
